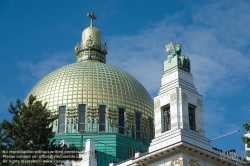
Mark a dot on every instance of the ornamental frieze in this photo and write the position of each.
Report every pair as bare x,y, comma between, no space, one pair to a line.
176,162
201,130
157,103
158,131
185,124
193,163
174,96
199,102
184,96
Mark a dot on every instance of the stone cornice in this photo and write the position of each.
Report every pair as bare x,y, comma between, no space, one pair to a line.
183,147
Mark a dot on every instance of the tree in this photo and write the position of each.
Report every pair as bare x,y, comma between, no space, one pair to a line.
29,128
31,131
246,140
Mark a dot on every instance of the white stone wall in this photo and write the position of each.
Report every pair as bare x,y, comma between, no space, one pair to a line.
88,158
178,90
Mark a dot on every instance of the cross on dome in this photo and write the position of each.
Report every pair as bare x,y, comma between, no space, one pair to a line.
92,17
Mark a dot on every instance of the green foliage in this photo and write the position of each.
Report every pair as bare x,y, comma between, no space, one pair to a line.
246,126
29,130
246,140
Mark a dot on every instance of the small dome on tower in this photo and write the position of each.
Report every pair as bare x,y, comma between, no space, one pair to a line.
91,47
91,36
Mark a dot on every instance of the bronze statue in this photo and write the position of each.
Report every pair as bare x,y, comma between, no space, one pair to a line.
183,60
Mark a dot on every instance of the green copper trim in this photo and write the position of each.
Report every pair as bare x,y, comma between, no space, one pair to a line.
175,59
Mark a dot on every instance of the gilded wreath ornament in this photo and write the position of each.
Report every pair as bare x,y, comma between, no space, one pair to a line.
176,162
193,163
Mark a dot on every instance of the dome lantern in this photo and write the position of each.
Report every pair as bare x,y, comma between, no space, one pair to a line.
91,47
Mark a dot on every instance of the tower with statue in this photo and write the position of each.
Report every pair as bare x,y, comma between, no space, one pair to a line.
179,121
109,114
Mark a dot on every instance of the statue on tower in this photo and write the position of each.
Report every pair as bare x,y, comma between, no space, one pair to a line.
183,60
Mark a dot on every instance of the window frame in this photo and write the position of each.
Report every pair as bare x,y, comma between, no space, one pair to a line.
121,126
102,126
192,117
166,118
138,126
79,118
61,116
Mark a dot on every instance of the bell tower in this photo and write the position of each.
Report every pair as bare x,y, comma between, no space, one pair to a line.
178,108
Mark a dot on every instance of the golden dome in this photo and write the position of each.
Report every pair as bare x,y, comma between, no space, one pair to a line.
93,83
101,91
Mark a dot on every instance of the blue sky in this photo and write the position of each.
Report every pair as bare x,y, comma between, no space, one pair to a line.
37,37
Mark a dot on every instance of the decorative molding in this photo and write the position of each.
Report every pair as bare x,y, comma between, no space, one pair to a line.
184,96
130,119
53,115
179,124
157,131
201,130
112,117
185,162
157,103
174,96
176,162
92,115
193,163
185,124
174,124
199,102
72,115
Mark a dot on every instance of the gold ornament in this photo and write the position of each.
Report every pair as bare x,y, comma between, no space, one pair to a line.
176,162
193,163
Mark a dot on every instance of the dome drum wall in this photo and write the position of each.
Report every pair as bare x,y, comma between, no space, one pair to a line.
96,84
86,54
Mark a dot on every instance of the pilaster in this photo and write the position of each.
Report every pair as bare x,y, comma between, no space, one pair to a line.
88,158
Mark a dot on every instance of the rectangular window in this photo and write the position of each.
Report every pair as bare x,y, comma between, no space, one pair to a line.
81,121
121,121
166,118
138,125
102,117
61,119
191,117
150,123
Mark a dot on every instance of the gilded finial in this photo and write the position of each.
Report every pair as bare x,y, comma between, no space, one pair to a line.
92,17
